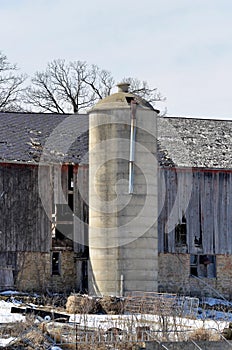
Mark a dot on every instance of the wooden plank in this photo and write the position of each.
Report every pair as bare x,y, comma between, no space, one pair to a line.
6,277
40,312
24,223
206,195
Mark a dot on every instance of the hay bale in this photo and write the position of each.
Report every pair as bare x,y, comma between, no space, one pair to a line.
112,305
73,304
81,304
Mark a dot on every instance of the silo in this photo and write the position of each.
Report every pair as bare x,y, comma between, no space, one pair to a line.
122,195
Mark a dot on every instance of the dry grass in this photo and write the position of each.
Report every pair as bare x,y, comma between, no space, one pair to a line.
82,337
16,328
204,334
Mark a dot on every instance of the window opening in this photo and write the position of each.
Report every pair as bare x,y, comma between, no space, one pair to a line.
55,263
181,233
203,266
193,265
165,241
129,99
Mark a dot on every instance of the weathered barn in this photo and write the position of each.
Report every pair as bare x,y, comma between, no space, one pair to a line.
44,193
38,196
195,193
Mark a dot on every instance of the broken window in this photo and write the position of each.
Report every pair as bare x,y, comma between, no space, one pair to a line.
181,233
55,263
203,266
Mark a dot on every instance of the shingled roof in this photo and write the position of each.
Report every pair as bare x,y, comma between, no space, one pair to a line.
188,142
195,142
26,137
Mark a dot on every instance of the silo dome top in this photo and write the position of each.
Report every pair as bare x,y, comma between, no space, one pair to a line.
121,99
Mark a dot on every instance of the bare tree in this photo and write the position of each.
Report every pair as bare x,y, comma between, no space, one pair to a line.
75,86
142,89
11,86
100,81
68,87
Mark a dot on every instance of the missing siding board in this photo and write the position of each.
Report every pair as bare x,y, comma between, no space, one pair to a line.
198,241
70,177
56,263
203,266
70,186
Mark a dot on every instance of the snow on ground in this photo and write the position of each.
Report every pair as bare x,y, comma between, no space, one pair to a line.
126,322
6,342
7,317
215,301
5,313
208,319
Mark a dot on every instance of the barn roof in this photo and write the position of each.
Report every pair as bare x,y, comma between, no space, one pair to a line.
189,142
195,142
26,137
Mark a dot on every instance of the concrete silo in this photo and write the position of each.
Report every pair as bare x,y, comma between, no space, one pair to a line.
122,195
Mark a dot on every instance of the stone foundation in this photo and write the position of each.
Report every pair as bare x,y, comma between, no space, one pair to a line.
174,277
35,273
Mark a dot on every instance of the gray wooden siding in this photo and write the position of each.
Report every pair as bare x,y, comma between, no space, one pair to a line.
24,225
205,199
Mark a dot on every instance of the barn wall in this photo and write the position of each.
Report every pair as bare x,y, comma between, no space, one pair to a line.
35,273
204,198
174,276
26,236
24,225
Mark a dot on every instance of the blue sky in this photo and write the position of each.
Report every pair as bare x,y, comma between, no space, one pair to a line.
182,47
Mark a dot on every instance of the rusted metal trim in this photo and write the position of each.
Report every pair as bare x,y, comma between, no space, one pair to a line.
200,169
